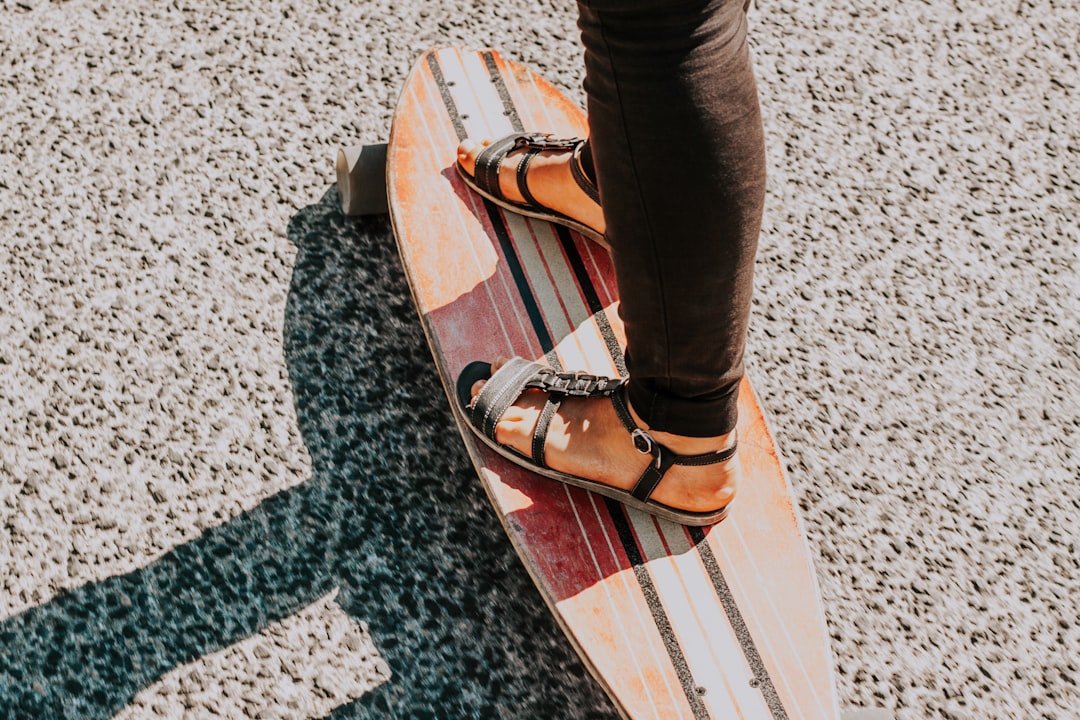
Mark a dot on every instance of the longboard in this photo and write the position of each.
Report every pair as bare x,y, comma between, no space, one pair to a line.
673,622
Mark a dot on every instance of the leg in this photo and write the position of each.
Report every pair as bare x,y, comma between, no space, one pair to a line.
677,146
679,153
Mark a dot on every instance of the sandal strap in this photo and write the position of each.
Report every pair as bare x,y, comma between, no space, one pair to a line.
575,384
663,458
539,439
488,162
522,169
577,170
546,141
499,392
560,385
519,375
490,159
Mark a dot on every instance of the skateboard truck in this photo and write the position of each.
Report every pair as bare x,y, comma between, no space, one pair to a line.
361,179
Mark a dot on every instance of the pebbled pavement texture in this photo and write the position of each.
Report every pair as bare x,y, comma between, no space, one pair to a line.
230,485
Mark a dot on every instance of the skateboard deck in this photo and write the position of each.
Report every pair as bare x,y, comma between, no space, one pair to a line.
673,622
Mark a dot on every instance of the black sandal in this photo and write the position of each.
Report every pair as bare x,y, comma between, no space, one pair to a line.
486,179
517,375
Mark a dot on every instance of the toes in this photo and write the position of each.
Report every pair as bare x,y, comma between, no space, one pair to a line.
467,152
479,384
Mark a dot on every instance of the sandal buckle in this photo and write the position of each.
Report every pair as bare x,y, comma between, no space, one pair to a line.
545,141
583,385
559,384
645,445
576,384
642,442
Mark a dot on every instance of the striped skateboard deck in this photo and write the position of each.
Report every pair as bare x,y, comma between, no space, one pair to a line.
673,622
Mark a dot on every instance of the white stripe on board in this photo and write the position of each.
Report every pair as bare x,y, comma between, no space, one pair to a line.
454,71
589,352
779,620
579,341
544,292
591,250
586,249
710,612
712,650
480,106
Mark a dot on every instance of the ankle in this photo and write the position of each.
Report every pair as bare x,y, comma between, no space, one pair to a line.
685,444
688,445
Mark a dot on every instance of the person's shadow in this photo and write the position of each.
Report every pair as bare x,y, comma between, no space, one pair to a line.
393,515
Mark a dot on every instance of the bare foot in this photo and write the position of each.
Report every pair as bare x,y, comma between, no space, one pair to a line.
586,438
549,179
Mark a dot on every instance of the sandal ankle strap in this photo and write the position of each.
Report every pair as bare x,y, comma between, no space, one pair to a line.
663,458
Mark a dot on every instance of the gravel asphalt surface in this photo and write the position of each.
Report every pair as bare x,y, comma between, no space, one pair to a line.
230,485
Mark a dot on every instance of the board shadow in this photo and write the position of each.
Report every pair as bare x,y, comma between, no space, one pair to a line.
392,515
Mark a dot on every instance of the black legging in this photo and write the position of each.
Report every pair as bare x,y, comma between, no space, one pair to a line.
678,148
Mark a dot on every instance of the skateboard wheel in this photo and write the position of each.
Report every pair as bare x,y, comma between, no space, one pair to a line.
361,179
